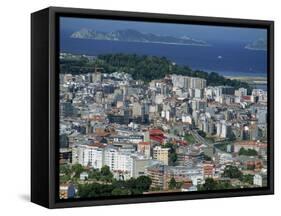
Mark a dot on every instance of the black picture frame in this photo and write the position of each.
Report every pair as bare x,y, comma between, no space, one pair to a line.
44,104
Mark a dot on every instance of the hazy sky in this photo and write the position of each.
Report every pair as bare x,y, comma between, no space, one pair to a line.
201,32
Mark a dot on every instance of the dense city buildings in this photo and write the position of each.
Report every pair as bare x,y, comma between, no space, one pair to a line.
172,134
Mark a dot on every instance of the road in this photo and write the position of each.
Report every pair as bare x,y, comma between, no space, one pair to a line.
201,139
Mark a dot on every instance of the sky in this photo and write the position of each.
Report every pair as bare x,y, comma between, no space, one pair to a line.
200,32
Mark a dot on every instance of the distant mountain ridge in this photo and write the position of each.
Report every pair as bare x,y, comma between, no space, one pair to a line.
130,35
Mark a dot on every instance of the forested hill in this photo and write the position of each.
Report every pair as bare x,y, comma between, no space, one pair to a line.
145,68
141,67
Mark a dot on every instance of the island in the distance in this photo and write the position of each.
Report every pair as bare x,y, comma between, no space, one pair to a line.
130,35
260,44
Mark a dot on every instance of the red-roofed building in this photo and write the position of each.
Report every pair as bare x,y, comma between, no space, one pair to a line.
156,135
247,98
253,164
156,131
182,142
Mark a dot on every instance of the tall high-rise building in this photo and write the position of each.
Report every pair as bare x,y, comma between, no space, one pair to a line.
262,115
188,82
198,104
139,166
119,161
126,116
88,155
161,154
198,83
226,130
156,173
111,157
224,90
125,163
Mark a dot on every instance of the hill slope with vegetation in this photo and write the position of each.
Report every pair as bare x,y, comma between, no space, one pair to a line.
142,67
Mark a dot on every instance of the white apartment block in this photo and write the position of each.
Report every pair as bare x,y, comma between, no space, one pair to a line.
118,161
260,180
110,158
87,155
188,82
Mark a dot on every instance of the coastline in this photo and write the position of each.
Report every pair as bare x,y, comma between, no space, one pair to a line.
256,80
249,79
153,42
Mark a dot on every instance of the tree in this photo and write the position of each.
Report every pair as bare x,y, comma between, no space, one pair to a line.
94,190
172,183
65,178
232,172
143,67
248,178
173,157
135,186
105,171
211,184
207,158
106,175
65,169
77,169
120,192
143,183
95,174
247,152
